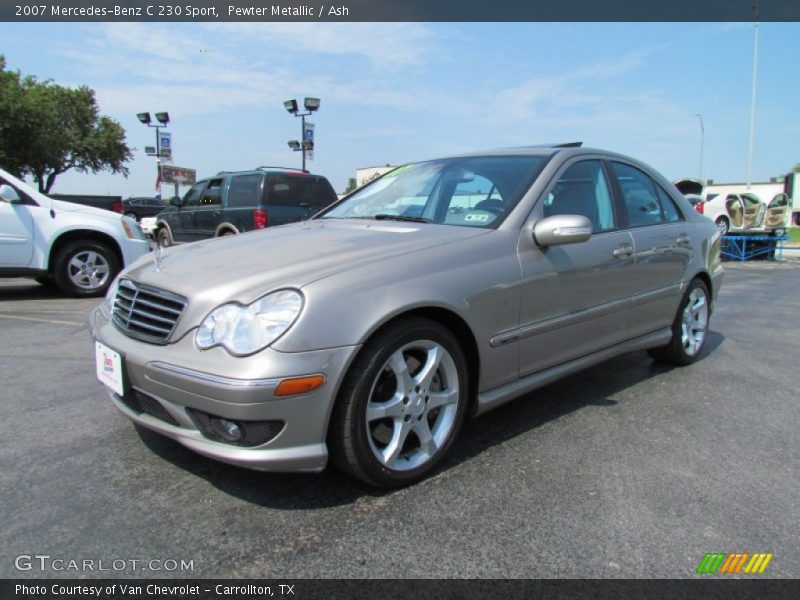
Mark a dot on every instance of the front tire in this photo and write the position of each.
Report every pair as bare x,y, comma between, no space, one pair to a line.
689,329
164,237
85,268
402,404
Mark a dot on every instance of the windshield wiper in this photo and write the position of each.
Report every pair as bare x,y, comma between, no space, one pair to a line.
385,217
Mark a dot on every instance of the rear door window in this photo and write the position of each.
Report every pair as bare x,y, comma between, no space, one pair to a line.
245,190
670,211
641,199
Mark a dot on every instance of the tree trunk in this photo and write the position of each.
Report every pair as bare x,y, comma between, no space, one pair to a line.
51,179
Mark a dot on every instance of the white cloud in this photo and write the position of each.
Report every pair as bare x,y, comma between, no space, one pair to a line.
384,45
375,132
222,66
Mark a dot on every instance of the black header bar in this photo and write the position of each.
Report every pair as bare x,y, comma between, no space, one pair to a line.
708,588
400,10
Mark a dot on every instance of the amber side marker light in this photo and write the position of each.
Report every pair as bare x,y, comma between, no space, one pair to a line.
299,385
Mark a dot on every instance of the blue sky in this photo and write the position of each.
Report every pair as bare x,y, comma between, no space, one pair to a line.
398,92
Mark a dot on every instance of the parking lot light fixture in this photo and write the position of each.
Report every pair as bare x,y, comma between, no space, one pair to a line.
311,105
162,118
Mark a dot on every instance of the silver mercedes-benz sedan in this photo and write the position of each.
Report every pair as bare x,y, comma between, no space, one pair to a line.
439,291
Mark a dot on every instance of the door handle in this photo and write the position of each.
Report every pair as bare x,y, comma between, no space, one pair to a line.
683,239
623,251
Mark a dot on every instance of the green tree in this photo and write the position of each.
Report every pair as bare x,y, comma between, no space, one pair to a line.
351,185
47,129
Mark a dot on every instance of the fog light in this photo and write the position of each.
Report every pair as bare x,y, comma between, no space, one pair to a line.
227,430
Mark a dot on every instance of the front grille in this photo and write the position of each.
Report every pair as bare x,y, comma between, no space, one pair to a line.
146,313
140,403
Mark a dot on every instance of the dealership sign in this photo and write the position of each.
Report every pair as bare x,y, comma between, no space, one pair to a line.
180,175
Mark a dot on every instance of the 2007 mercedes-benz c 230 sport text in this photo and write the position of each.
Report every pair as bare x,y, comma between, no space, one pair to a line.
368,333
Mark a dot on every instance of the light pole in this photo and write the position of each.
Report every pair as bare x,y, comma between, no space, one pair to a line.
702,140
753,101
311,105
163,120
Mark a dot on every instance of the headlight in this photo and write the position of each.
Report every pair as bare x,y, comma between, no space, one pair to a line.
243,330
111,295
132,229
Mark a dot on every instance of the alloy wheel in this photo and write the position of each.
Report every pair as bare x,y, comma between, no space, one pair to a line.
695,322
88,270
412,405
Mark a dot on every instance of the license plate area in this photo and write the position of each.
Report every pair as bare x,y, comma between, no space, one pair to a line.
109,368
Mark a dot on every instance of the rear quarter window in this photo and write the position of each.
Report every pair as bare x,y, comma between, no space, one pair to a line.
299,190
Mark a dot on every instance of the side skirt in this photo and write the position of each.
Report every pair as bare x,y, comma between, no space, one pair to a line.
500,395
22,272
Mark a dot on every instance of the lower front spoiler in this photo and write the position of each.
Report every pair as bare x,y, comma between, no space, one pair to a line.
309,459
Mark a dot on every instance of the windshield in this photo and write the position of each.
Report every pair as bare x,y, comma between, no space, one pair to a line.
473,192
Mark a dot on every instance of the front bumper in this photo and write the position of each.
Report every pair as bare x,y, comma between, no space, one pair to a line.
182,379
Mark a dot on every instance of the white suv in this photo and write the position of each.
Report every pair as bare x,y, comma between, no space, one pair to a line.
79,248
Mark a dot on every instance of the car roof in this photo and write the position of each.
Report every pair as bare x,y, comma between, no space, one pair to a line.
264,171
567,149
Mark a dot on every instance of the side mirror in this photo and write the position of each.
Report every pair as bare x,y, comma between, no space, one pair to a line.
9,194
562,229
176,201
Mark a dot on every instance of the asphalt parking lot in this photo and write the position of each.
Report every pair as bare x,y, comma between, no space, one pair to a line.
630,469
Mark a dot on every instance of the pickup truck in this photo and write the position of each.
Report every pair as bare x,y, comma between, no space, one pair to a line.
112,203
78,248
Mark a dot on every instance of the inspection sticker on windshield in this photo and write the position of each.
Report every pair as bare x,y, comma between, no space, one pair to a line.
109,367
479,218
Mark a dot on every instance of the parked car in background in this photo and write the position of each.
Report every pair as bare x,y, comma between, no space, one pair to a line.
371,331
736,209
148,225
139,207
78,248
112,203
231,203
746,213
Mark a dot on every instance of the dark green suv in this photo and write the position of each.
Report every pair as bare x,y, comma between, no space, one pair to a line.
231,203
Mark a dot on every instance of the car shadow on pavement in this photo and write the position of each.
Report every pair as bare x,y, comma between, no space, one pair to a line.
593,387
30,290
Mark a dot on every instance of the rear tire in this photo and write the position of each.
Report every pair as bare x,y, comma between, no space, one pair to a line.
132,215
85,268
401,405
689,329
